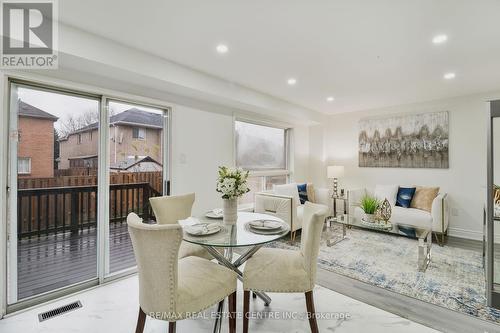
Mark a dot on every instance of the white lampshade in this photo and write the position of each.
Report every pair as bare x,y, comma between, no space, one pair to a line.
335,171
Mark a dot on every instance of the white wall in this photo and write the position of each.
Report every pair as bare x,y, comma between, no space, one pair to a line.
202,141
464,181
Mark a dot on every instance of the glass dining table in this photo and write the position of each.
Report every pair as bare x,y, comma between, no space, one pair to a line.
222,244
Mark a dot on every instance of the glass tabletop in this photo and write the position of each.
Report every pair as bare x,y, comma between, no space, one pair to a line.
392,228
237,235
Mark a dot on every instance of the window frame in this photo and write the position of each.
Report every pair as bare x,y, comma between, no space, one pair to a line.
29,166
265,173
139,129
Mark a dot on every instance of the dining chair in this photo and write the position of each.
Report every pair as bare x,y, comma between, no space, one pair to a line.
170,288
171,209
288,271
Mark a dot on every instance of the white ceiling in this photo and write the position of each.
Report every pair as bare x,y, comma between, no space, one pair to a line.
368,54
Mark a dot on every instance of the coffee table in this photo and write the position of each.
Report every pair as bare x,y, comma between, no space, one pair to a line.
422,234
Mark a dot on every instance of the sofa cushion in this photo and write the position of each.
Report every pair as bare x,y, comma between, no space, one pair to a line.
411,216
302,188
423,198
405,194
288,190
388,192
311,194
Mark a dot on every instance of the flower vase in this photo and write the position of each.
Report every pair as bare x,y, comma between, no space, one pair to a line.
230,211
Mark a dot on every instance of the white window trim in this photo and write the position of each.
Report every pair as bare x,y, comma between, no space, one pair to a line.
29,166
288,146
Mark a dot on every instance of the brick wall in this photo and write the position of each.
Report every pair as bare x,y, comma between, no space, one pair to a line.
37,143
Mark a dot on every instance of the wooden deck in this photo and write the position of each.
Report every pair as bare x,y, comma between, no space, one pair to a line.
49,262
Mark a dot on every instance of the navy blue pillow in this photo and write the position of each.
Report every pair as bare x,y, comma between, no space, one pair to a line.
405,194
302,193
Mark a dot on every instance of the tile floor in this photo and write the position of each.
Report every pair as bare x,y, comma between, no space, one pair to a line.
113,308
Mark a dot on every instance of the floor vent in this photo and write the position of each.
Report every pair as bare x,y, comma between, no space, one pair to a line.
59,311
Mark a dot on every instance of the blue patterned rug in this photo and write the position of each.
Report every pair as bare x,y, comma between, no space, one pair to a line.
454,279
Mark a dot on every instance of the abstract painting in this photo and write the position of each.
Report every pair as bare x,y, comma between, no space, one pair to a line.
408,141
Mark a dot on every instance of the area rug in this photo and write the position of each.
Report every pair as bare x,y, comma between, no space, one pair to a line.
454,279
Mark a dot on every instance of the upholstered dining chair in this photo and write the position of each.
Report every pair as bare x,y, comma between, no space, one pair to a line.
288,271
171,209
170,288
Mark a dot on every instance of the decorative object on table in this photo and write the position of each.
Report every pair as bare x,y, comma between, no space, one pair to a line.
335,172
369,206
384,211
377,225
232,183
216,213
408,141
342,192
203,229
404,196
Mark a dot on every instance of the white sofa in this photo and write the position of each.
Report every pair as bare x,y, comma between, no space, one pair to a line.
284,203
438,217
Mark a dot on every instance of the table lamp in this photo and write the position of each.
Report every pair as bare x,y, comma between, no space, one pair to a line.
335,172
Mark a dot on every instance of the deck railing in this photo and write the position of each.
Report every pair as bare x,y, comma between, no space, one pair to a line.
42,211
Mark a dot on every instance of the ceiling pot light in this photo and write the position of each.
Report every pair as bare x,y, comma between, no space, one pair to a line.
330,99
291,81
222,48
439,39
449,76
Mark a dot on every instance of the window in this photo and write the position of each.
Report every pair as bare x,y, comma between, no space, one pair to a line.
139,133
79,139
24,165
90,135
263,150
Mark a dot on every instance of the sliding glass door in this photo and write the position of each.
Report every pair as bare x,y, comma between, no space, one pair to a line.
53,201
78,165
137,162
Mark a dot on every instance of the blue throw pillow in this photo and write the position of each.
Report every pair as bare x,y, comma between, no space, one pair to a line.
302,193
405,194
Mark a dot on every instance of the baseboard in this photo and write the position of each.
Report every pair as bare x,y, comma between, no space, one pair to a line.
465,233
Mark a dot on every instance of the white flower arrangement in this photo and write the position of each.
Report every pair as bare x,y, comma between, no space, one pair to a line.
232,182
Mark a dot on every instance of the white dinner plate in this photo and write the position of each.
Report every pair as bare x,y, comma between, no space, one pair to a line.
265,225
203,229
214,214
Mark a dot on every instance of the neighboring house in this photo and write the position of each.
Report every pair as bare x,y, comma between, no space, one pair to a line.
36,142
137,164
132,132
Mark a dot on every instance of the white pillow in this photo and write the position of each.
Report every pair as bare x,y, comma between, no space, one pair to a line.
388,192
290,190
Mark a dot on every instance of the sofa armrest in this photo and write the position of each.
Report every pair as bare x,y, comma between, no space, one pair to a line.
440,213
276,205
323,196
355,196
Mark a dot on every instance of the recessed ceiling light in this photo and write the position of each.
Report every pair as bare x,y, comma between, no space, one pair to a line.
222,48
449,76
439,39
291,81
330,99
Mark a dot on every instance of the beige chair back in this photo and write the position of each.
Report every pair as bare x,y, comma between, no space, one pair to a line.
156,248
312,225
171,209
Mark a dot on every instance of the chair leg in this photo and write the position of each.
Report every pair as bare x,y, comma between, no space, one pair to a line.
246,310
232,313
171,327
141,320
311,313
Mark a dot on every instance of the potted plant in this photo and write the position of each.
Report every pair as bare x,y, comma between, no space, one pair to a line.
369,205
232,183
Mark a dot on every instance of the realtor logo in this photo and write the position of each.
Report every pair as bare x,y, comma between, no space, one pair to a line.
29,34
